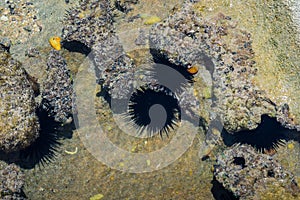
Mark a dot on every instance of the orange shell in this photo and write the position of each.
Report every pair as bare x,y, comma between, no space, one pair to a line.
55,43
193,70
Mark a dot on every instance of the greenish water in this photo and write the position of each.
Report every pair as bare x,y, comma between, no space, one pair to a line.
77,173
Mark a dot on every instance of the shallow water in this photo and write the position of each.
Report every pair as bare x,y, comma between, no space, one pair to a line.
84,167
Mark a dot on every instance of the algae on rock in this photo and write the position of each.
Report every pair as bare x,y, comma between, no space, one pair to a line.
19,125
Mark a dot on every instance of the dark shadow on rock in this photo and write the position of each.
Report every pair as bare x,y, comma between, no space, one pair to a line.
176,78
220,193
159,60
76,46
269,135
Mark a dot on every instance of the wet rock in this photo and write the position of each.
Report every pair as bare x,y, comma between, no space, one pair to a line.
88,23
12,183
57,91
188,39
18,21
113,68
125,5
286,118
19,125
247,173
5,43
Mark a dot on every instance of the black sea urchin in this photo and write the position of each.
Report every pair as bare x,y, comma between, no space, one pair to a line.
44,148
154,108
269,135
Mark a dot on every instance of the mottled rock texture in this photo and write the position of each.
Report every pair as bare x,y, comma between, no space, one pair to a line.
88,23
57,92
186,38
245,172
19,125
12,183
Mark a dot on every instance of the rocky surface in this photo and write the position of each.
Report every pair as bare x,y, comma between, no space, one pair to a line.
88,23
245,172
57,91
19,125
232,38
12,183
294,5
187,39
19,21
113,68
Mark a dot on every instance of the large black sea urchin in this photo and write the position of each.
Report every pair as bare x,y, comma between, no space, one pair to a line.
43,150
269,135
155,109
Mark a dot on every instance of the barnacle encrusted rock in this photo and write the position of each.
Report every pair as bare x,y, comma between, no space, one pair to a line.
246,172
88,23
286,118
188,39
12,183
57,88
113,67
19,125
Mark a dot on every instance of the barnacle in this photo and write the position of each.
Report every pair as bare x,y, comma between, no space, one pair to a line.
88,23
57,88
244,171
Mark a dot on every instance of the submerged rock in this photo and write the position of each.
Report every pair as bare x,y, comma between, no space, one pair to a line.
88,23
12,183
113,68
19,125
125,5
187,39
247,173
57,92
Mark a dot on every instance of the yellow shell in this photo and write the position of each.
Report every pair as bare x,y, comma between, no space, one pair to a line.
97,197
152,20
290,146
193,70
55,42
